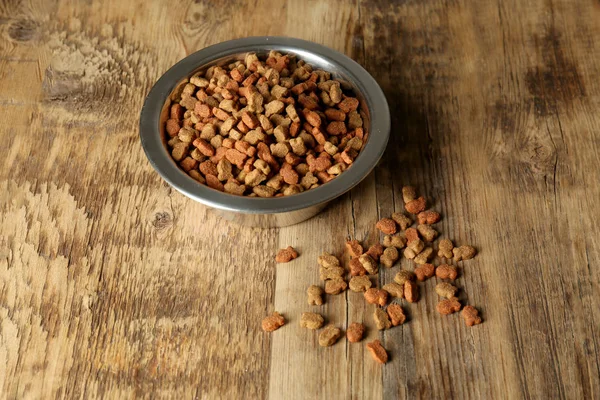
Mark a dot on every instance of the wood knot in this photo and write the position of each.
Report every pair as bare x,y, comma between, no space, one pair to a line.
22,30
162,221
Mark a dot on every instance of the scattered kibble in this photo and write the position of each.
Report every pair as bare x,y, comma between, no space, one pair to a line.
377,352
376,296
411,291
286,255
394,289
445,248
446,271
445,289
273,322
382,320
389,257
464,253
360,283
311,320
448,306
335,285
354,248
428,217
315,295
387,226
424,272
329,335
396,314
355,332
471,316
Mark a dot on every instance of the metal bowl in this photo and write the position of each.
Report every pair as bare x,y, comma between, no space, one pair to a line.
265,212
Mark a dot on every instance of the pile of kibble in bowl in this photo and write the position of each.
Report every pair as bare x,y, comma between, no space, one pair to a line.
265,127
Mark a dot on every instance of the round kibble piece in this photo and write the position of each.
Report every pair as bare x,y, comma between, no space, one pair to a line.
355,332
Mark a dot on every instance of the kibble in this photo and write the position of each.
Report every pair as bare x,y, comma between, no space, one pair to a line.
355,332
286,255
329,335
377,352
273,322
471,316
311,320
396,314
382,320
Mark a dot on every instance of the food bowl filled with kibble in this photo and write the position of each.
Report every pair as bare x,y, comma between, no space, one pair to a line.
265,130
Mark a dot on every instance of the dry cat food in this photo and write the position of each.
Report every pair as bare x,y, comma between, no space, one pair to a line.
273,322
378,352
265,126
421,244
286,255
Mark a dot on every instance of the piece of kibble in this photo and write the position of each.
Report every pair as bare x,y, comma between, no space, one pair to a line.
445,289
369,264
394,289
376,296
273,322
360,283
416,245
354,248
356,268
428,217
375,251
423,257
411,235
448,306
403,276
445,248
427,232
408,194
471,316
382,321
311,320
377,352
330,273
355,332
286,255
335,286
396,314
411,291
315,295
424,272
329,335
464,253
389,257
328,260
396,241
386,225
409,253
402,220
416,206
446,271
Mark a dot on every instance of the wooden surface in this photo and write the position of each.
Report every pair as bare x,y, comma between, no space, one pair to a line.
114,285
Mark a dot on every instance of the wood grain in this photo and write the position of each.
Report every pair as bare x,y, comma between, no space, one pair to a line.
113,285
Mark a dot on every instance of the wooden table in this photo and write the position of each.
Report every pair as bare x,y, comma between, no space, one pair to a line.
114,285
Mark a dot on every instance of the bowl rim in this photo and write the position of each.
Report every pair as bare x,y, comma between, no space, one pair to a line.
161,160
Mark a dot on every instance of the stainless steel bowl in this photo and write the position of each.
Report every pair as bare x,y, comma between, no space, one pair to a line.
265,212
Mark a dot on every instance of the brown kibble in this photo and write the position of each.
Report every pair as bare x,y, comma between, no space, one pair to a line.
311,320
394,289
377,352
428,217
172,126
382,321
445,248
389,257
411,291
396,314
326,273
328,260
427,232
335,286
348,104
396,241
416,206
446,271
273,322
471,316
355,332
360,283
448,306
335,115
375,251
214,183
408,194
329,335
409,253
354,248
424,272
402,220
464,253
404,276
416,245
411,235
356,268
386,225
369,264
315,295
445,289
286,255
188,164
423,256
376,296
